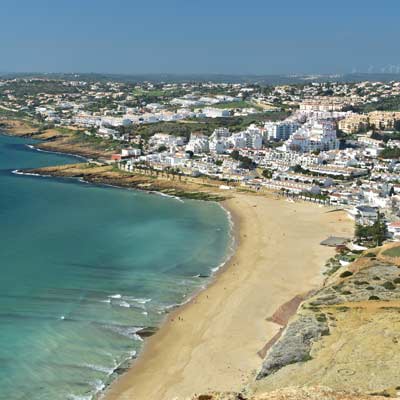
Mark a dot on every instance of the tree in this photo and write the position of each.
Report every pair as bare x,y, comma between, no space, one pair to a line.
162,148
390,153
379,230
361,232
235,155
298,169
375,232
267,173
246,163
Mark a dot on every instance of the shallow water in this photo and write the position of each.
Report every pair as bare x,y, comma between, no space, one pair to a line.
83,267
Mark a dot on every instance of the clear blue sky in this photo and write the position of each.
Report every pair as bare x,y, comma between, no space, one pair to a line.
203,36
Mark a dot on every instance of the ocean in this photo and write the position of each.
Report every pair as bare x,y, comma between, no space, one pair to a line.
83,267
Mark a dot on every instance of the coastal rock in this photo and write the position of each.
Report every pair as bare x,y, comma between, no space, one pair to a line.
295,344
345,336
98,173
147,332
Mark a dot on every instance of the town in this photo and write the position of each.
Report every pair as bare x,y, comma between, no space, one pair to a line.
333,143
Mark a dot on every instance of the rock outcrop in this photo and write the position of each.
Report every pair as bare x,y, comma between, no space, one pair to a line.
346,336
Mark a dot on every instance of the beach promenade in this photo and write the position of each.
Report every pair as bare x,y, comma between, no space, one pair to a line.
212,342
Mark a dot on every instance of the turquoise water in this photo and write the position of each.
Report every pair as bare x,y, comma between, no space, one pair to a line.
83,267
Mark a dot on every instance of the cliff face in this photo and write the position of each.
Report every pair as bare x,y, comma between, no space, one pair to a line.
346,336
344,341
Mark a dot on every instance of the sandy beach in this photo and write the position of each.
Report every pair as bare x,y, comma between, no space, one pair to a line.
212,342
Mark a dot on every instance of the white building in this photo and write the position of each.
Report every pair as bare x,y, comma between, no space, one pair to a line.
220,133
198,144
164,139
317,136
130,152
215,112
217,146
280,130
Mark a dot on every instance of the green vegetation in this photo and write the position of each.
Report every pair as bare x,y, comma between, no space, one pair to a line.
96,142
375,233
156,94
21,88
298,169
315,196
385,136
387,104
333,264
345,274
389,285
267,173
321,317
237,104
361,283
103,103
144,93
389,153
393,252
245,162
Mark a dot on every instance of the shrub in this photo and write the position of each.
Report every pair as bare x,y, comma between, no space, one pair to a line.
321,318
359,283
345,274
373,298
389,285
396,280
370,255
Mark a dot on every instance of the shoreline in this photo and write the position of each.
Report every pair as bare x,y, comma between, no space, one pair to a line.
137,376
54,139
174,308
171,363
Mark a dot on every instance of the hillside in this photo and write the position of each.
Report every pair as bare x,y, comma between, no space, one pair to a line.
343,343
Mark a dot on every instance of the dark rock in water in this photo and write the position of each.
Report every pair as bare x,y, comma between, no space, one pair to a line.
201,276
147,332
121,370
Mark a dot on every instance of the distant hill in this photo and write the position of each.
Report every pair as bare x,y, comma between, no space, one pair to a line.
217,78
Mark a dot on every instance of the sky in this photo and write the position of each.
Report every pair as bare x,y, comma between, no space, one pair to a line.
203,36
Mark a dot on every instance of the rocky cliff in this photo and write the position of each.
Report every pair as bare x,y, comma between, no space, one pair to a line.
343,342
